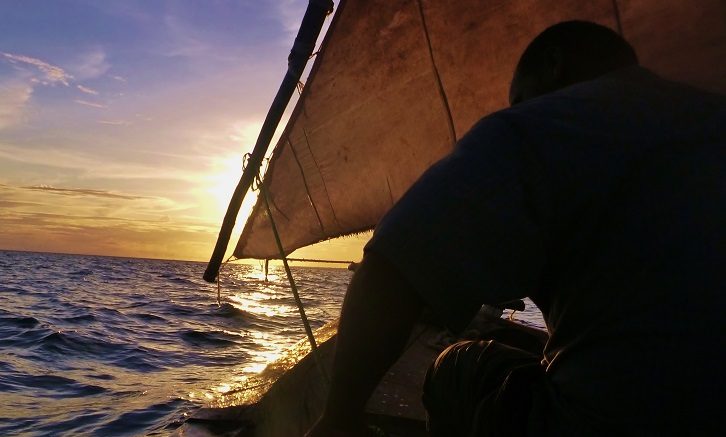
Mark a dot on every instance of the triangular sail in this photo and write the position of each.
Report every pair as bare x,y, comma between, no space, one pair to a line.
397,81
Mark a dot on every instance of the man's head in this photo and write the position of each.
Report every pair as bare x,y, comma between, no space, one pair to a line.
568,53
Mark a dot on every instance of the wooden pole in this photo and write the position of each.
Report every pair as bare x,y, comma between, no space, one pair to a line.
301,51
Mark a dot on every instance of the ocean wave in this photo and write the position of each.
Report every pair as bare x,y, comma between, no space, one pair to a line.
81,272
181,310
137,361
77,424
64,344
9,290
17,425
102,376
51,386
22,322
109,312
24,338
226,309
132,422
114,276
147,317
83,318
213,338
176,279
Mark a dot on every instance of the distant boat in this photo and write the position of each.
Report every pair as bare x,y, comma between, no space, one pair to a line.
394,85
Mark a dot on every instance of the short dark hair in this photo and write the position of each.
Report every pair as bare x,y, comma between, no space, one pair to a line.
590,50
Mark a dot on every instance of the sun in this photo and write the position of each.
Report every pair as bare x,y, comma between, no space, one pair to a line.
220,184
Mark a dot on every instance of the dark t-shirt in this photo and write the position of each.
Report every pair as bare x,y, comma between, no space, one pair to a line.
605,203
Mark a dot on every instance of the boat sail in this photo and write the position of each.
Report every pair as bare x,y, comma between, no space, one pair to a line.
397,82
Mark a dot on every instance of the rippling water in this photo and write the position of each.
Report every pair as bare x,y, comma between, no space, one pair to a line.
116,346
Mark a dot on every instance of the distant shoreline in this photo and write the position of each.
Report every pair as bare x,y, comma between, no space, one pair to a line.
98,255
251,262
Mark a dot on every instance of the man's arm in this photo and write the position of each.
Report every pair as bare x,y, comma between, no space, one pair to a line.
379,312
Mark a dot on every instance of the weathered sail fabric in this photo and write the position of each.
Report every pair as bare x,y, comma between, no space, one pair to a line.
398,81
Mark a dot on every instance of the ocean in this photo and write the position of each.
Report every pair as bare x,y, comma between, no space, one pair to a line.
107,346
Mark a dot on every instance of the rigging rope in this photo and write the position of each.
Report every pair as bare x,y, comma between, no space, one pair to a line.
259,185
293,286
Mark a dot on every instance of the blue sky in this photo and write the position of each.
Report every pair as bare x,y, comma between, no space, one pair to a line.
123,123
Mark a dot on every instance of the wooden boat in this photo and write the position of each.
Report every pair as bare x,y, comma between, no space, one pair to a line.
394,85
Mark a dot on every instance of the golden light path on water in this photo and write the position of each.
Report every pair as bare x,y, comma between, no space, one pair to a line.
266,302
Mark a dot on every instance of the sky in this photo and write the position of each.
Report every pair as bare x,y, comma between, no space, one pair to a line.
123,123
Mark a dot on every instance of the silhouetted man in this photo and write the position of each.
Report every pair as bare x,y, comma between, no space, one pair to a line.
599,194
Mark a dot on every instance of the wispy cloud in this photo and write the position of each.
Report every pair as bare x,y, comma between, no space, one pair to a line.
183,41
82,192
63,160
13,97
38,218
91,64
104,236
119,78
52,74
87,90
89,203
115,122
290,13
91,104
15,204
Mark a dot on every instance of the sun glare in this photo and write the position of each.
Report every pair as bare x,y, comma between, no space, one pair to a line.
223,178
226,170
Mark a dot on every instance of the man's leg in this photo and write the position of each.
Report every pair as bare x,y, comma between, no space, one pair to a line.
480,388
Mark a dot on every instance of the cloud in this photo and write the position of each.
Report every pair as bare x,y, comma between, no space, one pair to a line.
119,78
38,218
52,74
104,236
82,192
91,65
91,104
87,90
183,41
6,204
89,203
114,122
61,159
13,97
290,13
